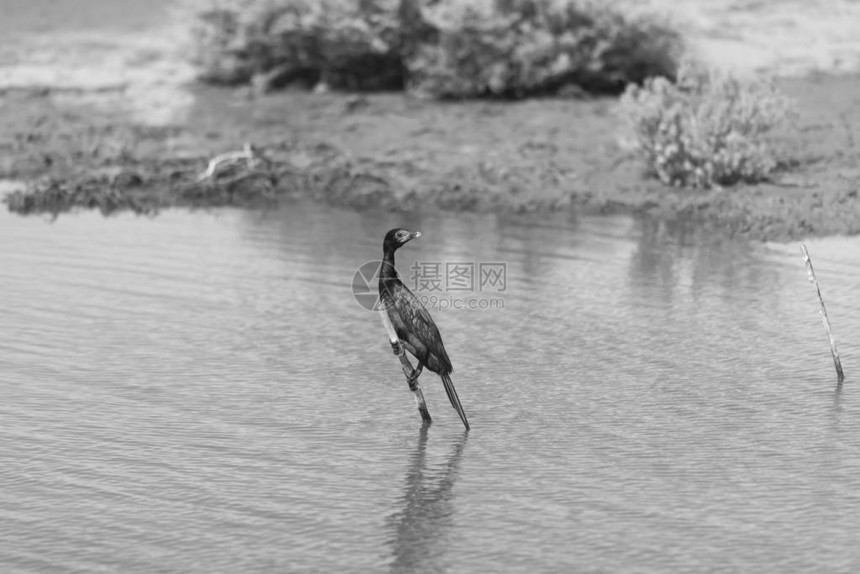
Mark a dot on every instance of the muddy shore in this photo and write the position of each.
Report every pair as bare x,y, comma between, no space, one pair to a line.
399,153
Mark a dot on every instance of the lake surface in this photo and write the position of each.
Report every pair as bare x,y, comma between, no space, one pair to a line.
201,392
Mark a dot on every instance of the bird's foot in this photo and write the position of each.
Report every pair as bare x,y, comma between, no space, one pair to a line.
397,348
412,381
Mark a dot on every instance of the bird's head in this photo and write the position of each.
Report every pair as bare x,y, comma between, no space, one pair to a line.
396,238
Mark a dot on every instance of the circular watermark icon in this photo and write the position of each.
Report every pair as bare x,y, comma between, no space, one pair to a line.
365,285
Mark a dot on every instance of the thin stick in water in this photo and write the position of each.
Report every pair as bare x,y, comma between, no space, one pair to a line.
408,370
840,376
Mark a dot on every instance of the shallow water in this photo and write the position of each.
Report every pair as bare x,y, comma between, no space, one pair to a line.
200,392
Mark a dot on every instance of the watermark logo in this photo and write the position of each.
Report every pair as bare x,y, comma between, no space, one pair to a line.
465,285
365,285
494,277
462,276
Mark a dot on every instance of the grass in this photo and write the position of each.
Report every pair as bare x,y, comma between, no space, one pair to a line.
441,48
707,129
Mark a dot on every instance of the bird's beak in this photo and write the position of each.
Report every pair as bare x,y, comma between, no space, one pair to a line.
410,237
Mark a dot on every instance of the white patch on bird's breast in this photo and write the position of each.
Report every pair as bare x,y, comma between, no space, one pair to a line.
386,320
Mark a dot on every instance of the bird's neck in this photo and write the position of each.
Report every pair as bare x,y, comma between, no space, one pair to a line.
388,270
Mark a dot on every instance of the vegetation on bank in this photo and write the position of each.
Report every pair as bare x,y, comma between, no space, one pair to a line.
261,177
394,153
439,48
707,128
691,127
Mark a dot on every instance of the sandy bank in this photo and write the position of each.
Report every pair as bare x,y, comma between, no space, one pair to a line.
400,153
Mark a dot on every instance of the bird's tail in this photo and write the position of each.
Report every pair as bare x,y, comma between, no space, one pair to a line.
455,400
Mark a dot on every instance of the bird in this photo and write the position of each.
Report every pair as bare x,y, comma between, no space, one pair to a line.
411,321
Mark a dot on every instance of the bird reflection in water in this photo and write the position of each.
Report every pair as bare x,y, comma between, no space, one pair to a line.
426,512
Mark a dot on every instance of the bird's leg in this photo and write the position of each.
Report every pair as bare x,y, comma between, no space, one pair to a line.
411,376
412,379
411,373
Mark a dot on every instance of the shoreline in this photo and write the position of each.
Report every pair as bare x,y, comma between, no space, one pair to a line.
399,153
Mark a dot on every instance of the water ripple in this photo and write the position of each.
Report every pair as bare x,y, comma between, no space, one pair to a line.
199,392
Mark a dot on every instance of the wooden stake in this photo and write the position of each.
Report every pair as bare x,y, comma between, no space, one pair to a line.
408,370
840,376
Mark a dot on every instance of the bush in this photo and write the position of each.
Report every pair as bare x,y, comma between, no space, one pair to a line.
524,47
346,44
706,129
444,48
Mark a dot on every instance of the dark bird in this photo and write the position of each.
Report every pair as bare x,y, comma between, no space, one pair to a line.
411,321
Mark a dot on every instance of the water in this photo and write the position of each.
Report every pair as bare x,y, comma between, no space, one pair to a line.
118,54
781,37
200,392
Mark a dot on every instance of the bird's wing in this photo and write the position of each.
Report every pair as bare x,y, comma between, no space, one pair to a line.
416,326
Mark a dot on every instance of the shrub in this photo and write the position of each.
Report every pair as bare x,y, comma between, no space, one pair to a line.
345,43
708,128
524,47
444,48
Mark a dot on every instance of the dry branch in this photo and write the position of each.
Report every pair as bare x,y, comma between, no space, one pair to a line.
840,376
408,370
247,157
